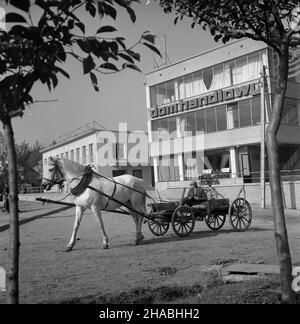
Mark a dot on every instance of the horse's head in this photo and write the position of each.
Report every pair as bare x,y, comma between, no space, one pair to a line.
55,177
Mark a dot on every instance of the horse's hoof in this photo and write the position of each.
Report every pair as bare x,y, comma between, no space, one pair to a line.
139,240
105,246
68,249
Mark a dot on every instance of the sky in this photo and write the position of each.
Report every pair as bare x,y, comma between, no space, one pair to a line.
122,96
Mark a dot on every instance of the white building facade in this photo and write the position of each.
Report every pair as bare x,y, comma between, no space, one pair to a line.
85,145
214,100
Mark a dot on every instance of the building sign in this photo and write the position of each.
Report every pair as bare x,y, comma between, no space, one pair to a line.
212,98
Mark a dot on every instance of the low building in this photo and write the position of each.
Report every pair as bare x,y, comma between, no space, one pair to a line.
106,151
214,100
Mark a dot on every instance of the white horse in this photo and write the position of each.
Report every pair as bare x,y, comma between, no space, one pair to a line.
126,189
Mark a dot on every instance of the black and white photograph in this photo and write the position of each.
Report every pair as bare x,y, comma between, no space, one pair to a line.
149,155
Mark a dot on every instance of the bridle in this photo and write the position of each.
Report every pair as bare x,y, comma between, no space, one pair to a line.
52,180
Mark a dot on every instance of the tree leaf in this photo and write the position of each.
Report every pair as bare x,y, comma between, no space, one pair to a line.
94,81
81,26
13,17
131,14
149,38
126,57
133,54
92,10
106,29
84,45
153,48
21,4
109,66
132,66
88,64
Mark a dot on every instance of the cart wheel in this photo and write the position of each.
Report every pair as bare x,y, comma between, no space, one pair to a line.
158,225
240,215
183,221
215,222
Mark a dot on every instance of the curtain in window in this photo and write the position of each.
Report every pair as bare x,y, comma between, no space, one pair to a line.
254,66
198,83
188,85
220,78
181,89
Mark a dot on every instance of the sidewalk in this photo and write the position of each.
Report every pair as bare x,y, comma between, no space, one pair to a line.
29,211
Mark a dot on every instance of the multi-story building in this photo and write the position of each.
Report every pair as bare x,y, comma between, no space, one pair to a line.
91,145
214,99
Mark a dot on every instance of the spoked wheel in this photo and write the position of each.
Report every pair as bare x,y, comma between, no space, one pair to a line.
240,215
215,222
158,225
183,221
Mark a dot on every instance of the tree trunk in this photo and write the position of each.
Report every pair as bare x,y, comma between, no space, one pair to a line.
14,243
281,236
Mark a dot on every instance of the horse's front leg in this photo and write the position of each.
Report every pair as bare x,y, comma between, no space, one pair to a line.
98,215
78,217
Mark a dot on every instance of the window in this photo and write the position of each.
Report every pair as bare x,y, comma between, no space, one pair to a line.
117,173
168,169
210,115
137,173
245,113
170,92
240,71
172,126
220,78
72,155
78,155
120,151
198,83
256,110
84,155
67,155
221,118
154,130
164,129
190,124
290,112
233,116
45,161
91,153
62,155
200,120
254,66
188,85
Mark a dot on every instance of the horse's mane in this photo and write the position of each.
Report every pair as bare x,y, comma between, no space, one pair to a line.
72,166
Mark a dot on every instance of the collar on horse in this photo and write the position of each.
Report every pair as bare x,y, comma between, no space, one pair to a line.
84,182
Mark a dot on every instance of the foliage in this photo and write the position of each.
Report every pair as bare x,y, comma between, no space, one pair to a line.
264,20
29,161
31,52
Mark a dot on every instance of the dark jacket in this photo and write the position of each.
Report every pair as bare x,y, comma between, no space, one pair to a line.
197,193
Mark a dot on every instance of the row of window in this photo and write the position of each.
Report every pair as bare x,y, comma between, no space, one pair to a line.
74,155
243,69
234,115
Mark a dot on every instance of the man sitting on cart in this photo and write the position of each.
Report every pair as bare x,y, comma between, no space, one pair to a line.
196,195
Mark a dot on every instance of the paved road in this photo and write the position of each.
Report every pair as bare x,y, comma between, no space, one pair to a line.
49,274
